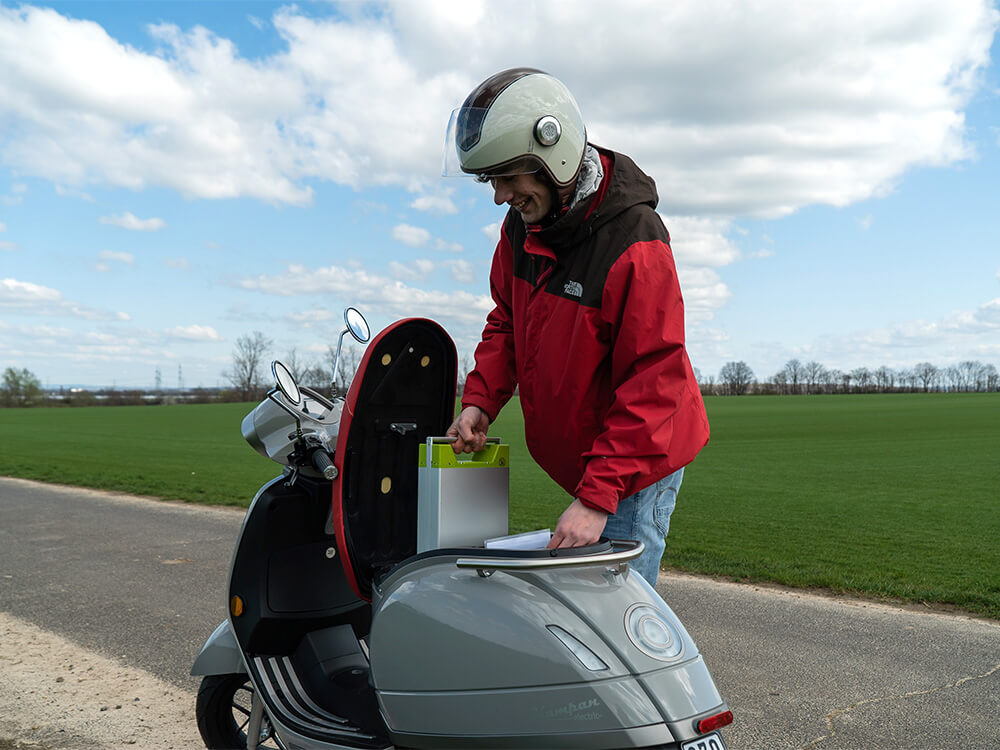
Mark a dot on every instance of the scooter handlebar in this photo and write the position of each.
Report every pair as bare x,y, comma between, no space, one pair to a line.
324,464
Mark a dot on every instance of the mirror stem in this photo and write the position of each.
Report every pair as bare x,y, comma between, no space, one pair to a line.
336,362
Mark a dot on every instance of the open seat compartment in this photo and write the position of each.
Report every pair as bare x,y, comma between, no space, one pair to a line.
404,392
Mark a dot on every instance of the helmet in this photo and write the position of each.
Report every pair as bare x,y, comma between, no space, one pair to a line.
516,122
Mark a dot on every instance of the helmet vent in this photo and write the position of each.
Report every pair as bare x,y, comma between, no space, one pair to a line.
548,131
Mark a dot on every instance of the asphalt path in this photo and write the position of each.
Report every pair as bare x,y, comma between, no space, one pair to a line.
144,582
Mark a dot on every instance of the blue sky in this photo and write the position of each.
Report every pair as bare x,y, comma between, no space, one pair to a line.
174,175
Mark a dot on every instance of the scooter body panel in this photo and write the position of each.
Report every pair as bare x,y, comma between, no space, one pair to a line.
456,655
220,655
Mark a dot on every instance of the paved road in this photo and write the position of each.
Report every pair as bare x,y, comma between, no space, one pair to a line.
145,582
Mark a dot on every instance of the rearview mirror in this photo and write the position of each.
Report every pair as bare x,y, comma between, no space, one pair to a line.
357,325
286,382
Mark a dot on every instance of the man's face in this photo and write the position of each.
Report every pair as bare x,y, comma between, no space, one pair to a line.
527,193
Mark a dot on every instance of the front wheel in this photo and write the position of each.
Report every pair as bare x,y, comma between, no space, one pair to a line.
223,711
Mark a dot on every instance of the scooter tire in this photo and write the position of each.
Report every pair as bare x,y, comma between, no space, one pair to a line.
217,699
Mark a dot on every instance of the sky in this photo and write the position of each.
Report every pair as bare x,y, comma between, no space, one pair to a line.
175,175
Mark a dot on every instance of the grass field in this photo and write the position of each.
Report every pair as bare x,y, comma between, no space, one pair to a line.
892,496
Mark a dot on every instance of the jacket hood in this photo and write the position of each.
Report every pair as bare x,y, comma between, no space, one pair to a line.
629,187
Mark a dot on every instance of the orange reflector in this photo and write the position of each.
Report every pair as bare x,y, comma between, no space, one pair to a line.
711,723
236,606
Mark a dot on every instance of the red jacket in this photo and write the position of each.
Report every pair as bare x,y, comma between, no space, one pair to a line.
589,322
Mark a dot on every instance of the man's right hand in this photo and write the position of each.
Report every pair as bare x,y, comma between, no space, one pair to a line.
469,429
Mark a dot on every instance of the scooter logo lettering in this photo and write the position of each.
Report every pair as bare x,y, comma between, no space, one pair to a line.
582,711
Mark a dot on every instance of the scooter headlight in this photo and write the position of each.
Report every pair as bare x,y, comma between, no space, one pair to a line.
652,633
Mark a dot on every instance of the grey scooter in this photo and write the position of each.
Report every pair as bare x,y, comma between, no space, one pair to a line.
340,635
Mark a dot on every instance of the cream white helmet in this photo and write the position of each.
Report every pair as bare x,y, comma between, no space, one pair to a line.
517,121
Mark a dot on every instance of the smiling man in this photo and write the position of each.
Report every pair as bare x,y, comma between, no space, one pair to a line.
589,319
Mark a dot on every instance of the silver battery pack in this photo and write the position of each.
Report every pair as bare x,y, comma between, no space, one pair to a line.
461,502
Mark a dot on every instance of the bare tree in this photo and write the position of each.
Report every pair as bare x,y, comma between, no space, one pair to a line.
991,378
295,366
884,379
249,356
736,377
780,380
465,366
926,374
863,377
814,373
972,375
794,373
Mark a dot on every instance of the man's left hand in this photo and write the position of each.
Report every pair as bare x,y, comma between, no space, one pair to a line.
579,525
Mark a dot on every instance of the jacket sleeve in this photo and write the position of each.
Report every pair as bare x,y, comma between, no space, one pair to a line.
491,383
651,377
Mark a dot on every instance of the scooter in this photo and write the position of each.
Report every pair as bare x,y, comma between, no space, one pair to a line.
341,635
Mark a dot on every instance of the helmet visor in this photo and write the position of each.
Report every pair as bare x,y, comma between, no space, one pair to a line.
466,151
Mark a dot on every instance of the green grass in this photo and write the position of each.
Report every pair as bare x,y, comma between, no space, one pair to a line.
187,452
894,496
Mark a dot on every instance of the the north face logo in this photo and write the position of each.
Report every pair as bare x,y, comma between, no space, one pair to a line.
573,287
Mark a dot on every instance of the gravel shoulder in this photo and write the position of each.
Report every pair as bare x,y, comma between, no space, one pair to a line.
55,694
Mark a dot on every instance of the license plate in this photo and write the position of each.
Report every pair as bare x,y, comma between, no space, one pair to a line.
708,742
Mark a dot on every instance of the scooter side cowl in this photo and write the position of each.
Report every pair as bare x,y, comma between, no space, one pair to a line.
460,658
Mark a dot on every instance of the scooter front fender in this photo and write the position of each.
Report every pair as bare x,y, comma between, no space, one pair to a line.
220,654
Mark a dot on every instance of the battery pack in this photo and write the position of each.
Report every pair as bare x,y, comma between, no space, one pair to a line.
461,502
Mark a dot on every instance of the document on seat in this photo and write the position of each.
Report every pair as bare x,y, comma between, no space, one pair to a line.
528,540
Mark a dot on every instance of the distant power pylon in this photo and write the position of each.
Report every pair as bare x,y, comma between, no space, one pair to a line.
180,379
159,380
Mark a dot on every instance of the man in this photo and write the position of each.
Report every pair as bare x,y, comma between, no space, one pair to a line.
589,320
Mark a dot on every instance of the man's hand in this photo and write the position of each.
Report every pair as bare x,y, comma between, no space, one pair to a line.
470,428
579,525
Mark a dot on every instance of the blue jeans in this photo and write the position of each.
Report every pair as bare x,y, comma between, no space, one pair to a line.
645,516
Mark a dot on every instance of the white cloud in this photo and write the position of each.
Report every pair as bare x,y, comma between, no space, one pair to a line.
448,247
764,252
19,187
27,298
462,271
704,293
751,109
492,231
409,235
309,318
435,204
129,221
66,192
14,291
193,333
414,271
865,222
701,241
181,264
5,245
3,227
118,257
391,296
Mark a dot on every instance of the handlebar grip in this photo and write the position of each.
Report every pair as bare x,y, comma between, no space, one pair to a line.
324,464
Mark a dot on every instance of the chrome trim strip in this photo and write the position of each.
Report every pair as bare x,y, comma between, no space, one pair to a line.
292,701
304,697
616,557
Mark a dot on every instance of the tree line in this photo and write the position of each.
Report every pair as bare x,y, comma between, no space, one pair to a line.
798,378
249,378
